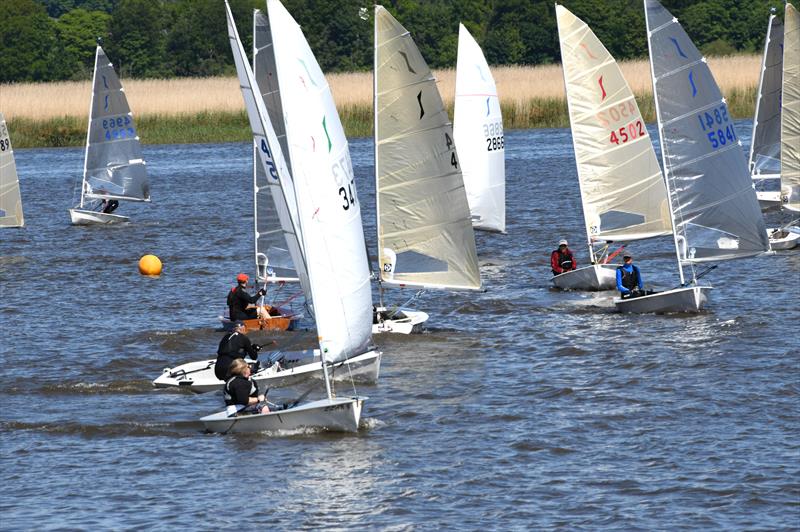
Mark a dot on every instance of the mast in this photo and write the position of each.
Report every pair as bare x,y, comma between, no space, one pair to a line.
89,127
255,171
664,155
572,136
375,148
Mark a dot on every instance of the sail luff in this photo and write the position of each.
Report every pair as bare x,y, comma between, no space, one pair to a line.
425,234
790,112
89,127
478,133
10,198
714,207
622,189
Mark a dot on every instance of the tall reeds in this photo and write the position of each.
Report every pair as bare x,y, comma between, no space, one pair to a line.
211,109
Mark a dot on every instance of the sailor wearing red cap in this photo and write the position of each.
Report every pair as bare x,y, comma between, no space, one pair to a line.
239,300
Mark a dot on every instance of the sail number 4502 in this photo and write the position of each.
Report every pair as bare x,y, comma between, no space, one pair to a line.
632,131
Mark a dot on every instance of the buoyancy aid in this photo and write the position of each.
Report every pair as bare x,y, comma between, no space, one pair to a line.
227,395
630,279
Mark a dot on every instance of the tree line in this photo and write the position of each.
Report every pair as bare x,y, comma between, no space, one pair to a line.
47,40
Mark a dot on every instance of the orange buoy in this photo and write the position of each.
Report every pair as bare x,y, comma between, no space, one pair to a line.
150,265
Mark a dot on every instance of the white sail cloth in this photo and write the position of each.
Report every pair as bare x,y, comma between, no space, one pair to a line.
328,208
622,188
425,235
765,148
114,167
478,132
10,199
715,211
790,116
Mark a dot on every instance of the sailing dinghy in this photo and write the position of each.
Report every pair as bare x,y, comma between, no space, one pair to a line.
328,221
775,148
10,199
425,236
478,132
713,206
622,188
113,168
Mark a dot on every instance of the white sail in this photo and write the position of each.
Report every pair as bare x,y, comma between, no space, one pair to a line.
790,115
270,154
10,199
765,148
425,235
478,132
114,167
272,234
328,208
715,212
622,188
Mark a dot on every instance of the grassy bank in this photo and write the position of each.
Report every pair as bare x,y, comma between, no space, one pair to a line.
232,126
211,110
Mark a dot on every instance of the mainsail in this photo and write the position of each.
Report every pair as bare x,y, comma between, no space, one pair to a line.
622,188
328,208
478,132
765,148
790,117
425,235
114,167
10,200
714,207
272,234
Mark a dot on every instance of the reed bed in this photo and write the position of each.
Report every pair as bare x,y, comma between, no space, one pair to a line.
211,109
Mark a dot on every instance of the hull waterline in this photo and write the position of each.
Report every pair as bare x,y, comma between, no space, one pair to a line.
686,299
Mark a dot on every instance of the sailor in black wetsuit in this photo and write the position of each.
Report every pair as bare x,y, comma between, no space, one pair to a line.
241,393
232,346
239,300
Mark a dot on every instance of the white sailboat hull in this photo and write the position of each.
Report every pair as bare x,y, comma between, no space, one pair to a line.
769,200
84,217
297,366
338,414
405,321
782,239
594,277
686,299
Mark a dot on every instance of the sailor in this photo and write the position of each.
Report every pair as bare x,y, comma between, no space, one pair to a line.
108,206
561,259
629,278
241,393
232,346
239,300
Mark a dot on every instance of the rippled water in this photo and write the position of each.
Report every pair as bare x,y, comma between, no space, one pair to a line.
519,408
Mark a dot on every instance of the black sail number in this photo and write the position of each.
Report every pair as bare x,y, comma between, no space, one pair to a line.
451,146
347,196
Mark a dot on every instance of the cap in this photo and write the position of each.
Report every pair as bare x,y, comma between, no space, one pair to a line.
242,278
627,255
562,242
238,323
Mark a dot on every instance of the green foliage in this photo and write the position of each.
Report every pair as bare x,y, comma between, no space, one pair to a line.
152,38
77,33
27,37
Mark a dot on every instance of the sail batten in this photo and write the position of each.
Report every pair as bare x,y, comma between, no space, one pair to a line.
419,185
711,196
10,199
622,191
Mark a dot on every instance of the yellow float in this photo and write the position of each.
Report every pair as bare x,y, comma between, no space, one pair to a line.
150,265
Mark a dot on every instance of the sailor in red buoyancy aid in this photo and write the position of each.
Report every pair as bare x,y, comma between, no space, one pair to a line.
561,259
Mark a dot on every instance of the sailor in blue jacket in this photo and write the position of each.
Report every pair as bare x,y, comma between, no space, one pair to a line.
629,278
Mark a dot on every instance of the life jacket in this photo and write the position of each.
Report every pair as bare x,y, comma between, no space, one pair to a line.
565,259
226,393
630,280
230,299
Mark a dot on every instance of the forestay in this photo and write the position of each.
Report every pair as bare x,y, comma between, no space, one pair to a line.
622,188
328,207
790,117
425,235
715,211
765,148
272,255
478,132
270,154
10,200
114,167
